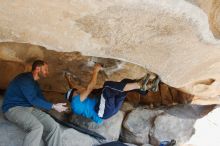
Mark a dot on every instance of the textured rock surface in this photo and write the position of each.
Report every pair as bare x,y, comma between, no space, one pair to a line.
137,126
16,58
22,55
110,129
171,38
165,96
184,123
177,125
212,8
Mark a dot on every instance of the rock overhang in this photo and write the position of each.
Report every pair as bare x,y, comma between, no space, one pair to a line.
171,38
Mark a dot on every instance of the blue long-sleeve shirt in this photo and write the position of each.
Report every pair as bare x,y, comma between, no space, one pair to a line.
23,90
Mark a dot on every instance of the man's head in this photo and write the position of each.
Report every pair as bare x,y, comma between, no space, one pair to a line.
40,69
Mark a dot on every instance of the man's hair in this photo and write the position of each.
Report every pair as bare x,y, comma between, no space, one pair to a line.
69,94
38,63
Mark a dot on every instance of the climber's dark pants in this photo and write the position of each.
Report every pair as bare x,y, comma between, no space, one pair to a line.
112,97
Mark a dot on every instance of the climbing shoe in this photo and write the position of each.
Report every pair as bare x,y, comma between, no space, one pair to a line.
143,82
155,84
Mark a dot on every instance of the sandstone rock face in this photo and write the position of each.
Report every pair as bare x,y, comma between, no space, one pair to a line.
22,56
171,38
212,8
80,69
165,96
9,69
178,40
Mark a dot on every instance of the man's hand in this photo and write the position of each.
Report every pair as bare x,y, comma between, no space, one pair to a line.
59,107
97,67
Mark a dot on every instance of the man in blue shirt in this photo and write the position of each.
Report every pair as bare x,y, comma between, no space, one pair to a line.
23,100
111,98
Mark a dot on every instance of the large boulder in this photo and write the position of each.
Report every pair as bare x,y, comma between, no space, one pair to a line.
178,46
72,137
137,126
110,129
183,123
177,123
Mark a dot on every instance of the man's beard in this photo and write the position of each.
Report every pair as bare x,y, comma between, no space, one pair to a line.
41,75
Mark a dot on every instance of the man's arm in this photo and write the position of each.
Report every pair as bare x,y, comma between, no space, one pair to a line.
60,107
30,92
84,94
